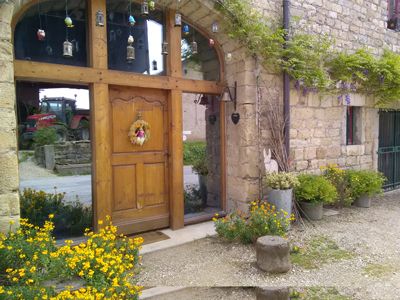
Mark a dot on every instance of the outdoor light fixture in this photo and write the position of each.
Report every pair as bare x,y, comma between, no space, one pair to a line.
130,50
67,49
99,18
231,96
215,27
178,20
194,47
164,48
145,8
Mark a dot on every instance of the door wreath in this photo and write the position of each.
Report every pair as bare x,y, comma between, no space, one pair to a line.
139,132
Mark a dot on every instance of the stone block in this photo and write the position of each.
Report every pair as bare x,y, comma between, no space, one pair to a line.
301,165
9,204
310,153
8,223
355,150
8,172
297,154
7,71
321,153
8,140
333,152
273,254
7,95
270,293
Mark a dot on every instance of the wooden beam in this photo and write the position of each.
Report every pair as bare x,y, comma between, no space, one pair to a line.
176,160
101,163
54,73
97,35
174,59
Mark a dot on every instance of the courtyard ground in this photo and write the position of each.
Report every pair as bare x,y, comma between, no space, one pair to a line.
356,252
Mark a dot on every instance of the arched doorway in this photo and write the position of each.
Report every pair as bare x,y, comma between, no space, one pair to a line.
140,187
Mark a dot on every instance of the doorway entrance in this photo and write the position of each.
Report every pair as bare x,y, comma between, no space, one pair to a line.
139,186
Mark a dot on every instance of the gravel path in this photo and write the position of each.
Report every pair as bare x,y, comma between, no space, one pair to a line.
29,170
372,235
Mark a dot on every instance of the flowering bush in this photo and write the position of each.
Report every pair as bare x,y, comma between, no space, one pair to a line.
106,264
364,182
315,189
281,181
339,179
263,220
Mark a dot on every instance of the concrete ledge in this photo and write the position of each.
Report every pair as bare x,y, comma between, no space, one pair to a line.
182,236
154,293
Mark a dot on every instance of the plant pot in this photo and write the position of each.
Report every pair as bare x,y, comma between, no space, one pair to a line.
364,201
312,211
203,188
282,199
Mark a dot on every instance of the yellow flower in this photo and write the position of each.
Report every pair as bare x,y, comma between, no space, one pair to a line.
100,222
1,289
51,216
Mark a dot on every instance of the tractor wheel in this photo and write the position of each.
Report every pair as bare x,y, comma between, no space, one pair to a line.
83,130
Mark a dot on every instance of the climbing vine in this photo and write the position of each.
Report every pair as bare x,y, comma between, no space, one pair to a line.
310,59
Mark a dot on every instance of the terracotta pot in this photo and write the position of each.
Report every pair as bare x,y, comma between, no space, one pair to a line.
364,201
312,211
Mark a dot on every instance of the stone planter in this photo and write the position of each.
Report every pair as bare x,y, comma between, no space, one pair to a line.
203,188
282,199
364,201
312,211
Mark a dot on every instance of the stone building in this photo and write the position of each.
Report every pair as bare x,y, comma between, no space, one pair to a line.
319,131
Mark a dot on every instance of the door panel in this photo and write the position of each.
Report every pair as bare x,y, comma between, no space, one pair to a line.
140,185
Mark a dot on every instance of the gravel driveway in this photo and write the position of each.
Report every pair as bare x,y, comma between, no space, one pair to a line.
371,235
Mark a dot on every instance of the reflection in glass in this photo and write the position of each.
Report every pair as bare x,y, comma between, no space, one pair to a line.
199,57
126,19
41,33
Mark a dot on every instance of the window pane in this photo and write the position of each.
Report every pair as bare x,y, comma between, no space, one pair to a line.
49,16
202,64
148,35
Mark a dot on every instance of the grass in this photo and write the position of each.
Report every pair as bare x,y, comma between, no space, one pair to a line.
318,293
193,150
25,155
378,270
319,251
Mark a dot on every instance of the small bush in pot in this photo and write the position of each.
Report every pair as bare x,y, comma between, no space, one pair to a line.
312,193
338,177
280,191
363,185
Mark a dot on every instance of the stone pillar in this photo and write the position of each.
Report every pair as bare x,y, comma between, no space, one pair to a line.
9,199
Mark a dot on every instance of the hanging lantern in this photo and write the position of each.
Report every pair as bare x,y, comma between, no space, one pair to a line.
152,5
211,43
204,100
145,8
186,29
41,35
67,49
131,20
99,18
194,47
155,67
235,118
130,50
178,19
215,27
228,56
164,48
68,22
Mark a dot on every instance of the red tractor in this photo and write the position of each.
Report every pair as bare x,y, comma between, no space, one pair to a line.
60,114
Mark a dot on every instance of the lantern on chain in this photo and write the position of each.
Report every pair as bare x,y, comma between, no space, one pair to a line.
211,43
145,8
194,47
155,67
99,18
186,29
164,48
67,49
130,50
215,27
178,19
41,34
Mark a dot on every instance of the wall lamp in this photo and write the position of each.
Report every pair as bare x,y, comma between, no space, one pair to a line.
231,96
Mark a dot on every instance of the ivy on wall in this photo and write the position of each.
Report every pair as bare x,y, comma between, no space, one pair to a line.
311,60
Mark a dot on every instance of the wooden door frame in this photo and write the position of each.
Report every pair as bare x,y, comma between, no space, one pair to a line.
98,77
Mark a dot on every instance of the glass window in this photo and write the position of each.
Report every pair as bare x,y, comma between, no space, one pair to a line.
148,36
353,127
41,32
199,57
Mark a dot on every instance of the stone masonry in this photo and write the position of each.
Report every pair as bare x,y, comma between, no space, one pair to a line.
318,124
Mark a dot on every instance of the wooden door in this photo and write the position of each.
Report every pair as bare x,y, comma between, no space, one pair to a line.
140,192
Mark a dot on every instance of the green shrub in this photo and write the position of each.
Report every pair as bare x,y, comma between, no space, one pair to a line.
338,177
315,189
193,151
71,218
263,220
45,136
281,181
193,200
364,182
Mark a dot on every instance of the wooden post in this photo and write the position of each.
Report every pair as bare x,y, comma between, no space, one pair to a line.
97,36
174,64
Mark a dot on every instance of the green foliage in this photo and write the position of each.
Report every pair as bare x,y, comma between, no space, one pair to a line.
318,251
281,181
339,179
45,136
309,59
200,163
193,200
193,151
315,189
263,220
364,182
71,218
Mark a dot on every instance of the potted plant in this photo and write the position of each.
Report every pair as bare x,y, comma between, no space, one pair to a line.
201,169
312,193
363,185
280,191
